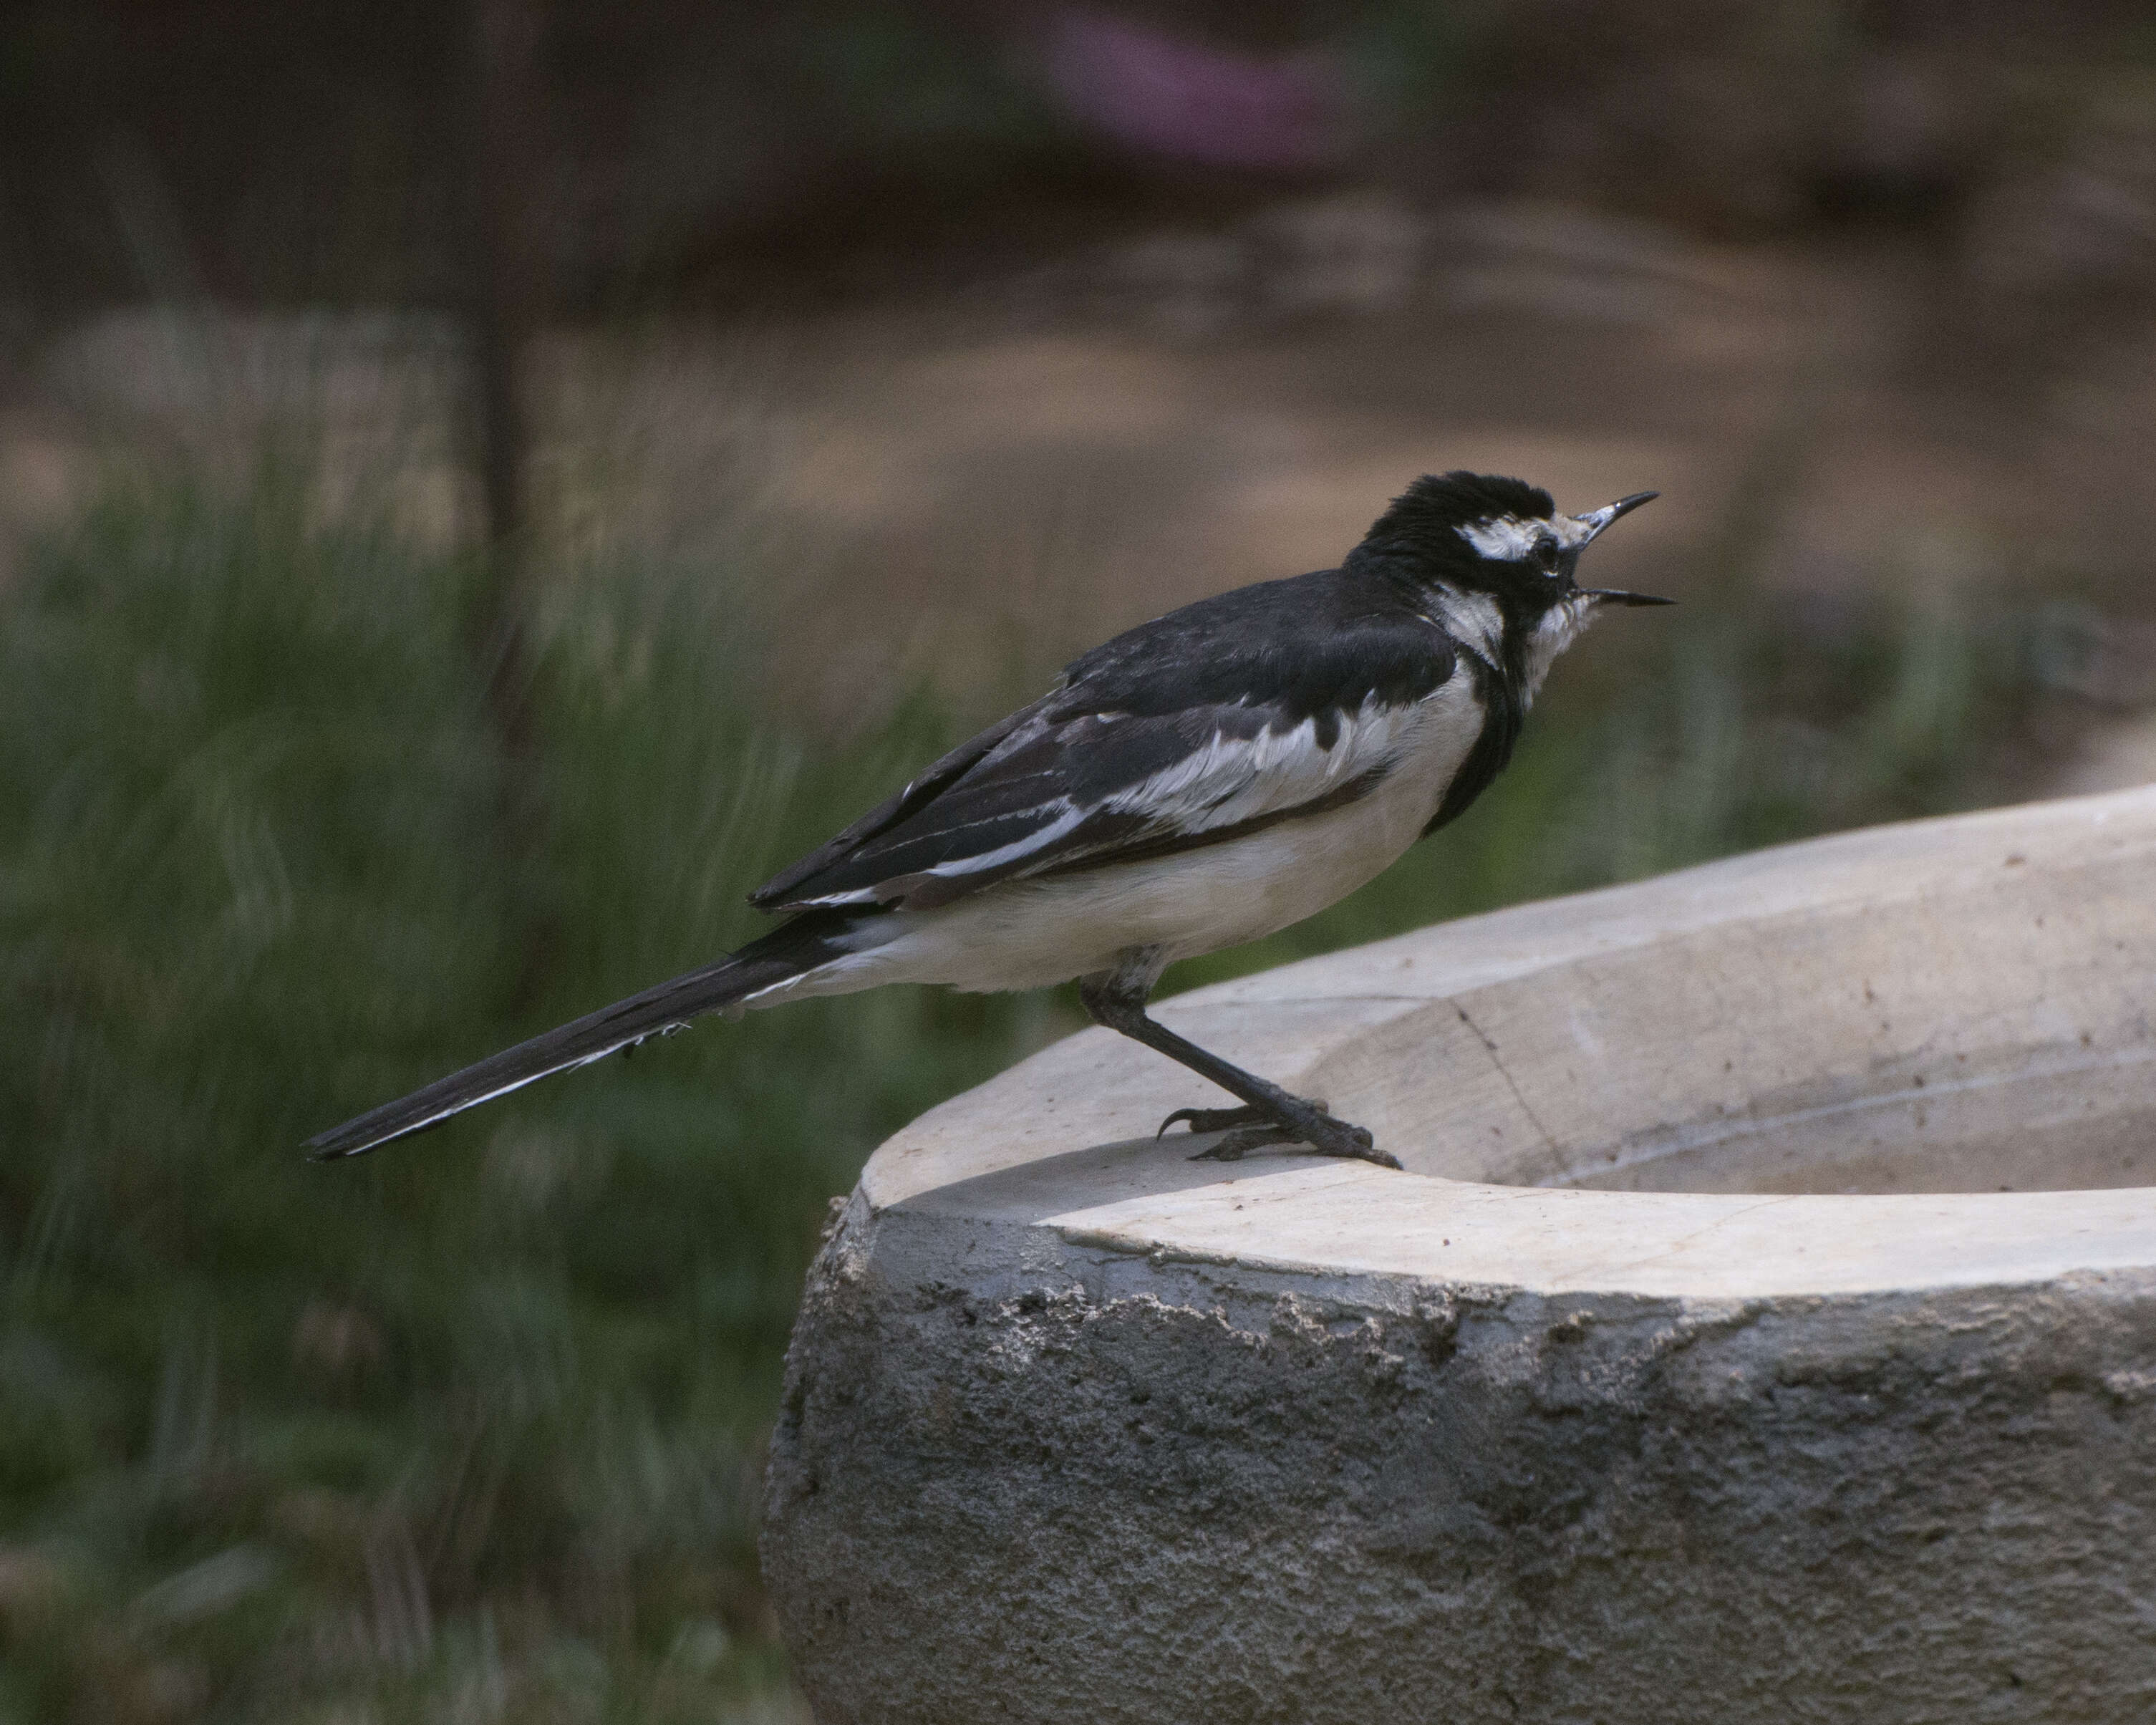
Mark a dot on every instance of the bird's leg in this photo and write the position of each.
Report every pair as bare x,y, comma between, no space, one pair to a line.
1118,999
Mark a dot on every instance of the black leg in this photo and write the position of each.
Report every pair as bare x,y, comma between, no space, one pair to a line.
1118,999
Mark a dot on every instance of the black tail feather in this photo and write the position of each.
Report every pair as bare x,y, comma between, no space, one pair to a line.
778,957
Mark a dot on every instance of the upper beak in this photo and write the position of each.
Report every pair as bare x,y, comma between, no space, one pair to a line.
1595,521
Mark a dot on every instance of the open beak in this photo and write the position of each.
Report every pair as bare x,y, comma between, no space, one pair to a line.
1595,521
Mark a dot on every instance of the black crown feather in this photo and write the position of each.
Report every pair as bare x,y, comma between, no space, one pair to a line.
1436,506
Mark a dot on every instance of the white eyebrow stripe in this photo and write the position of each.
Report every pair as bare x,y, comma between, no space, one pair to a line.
1507,539
1503,538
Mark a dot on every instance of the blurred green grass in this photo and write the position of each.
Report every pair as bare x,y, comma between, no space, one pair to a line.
470,1429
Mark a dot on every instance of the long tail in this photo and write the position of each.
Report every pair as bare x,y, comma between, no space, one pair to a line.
778,957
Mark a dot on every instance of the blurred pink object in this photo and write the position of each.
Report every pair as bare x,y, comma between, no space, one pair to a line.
1170,96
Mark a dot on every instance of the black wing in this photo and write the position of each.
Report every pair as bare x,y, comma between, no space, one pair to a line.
1259,705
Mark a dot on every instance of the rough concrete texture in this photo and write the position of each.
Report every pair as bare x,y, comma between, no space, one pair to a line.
1076,1430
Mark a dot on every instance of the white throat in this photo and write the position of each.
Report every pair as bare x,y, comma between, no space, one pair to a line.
1474,620
1560,626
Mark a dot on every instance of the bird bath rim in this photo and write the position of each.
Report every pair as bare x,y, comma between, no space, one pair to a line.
1490,1054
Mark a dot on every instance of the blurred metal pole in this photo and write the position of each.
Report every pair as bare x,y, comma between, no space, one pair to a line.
504,44
506,266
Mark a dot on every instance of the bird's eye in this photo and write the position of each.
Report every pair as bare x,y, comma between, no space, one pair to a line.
1549,556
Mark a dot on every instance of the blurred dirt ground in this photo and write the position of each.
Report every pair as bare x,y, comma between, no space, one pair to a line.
970,490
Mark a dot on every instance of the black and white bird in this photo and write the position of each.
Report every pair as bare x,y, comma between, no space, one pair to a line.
1199,781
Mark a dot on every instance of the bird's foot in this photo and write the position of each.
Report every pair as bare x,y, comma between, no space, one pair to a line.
1297,1122
1220,1120
1234,1146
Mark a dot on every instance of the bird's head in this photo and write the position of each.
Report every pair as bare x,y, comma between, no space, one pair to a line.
1500,562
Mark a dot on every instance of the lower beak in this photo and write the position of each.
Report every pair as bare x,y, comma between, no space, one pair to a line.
1610,595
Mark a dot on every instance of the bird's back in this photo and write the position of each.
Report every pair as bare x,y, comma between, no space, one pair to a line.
1283,699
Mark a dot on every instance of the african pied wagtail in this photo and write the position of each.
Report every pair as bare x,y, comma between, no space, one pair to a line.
1201,780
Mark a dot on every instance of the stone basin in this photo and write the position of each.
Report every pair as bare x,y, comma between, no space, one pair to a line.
1765,1326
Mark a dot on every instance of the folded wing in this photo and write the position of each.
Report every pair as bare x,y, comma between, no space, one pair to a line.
1134,756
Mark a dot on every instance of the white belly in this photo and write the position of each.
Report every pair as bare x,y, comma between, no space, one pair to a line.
1027,934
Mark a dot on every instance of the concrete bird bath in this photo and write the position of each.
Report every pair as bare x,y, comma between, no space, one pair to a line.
1764,1328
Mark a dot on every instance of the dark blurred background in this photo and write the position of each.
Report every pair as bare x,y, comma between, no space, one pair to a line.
482,485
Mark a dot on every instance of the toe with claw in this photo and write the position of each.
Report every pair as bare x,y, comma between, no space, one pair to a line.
1235,1145
1217,1120
1251,1128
